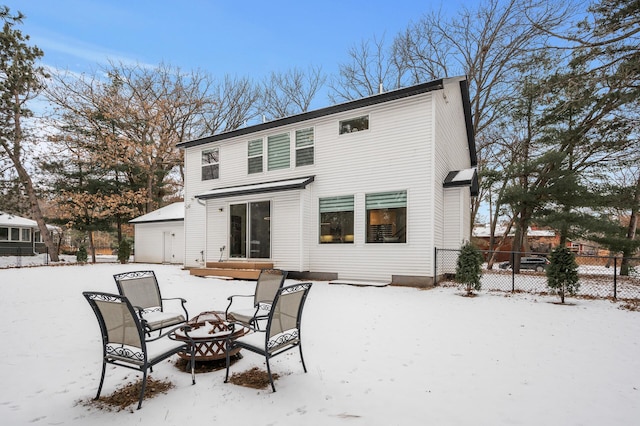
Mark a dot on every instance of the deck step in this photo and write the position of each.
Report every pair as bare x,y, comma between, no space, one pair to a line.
244,274
240,265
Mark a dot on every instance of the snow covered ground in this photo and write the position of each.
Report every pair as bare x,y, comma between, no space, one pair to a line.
375,355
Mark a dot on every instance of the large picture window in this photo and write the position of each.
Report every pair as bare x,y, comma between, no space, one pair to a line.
254,153
336,220
210,164
387,217
278,151
304,147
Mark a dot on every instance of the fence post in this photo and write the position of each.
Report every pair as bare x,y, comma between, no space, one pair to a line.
615,278
513,272
435,265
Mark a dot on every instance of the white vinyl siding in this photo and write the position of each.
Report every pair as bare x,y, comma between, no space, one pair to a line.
405,148
159,242
278,151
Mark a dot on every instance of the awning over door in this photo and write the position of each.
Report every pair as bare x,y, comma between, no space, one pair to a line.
466,177
258,188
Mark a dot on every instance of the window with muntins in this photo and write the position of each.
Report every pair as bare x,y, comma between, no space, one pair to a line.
254,156
354,124
211,164
278,151
387,217
336,220
304,147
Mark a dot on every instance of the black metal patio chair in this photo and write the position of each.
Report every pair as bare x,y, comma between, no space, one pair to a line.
143,291
282,332
125,341
268,284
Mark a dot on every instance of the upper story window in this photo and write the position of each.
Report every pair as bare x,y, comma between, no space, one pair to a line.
387,217
354,124
278,151
336,219
254,156
211,163
304,147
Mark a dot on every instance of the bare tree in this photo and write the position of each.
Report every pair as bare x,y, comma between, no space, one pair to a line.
234,101
486,43
291,92
133,120
373,66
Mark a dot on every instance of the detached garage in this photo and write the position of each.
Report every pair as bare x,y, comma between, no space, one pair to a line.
159,235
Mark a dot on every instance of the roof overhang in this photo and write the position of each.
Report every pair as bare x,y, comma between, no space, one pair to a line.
465,177
257,188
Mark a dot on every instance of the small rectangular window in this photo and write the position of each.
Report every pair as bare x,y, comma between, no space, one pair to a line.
278,151
304,147
336,220
26,235
15,234
210,164
254,156
4,234
354,124
387,217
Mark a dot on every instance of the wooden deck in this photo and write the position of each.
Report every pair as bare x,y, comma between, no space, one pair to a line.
237,270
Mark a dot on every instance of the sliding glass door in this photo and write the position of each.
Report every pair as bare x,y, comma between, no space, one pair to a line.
250,230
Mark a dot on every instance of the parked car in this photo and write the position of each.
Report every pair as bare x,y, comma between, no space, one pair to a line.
534,263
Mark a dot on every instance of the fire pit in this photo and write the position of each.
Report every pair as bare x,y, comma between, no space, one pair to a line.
209,331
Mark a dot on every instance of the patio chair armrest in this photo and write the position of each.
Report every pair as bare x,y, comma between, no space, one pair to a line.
230,299
182,302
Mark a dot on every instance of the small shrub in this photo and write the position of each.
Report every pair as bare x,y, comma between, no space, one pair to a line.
562,272
124,251
469,268
81,255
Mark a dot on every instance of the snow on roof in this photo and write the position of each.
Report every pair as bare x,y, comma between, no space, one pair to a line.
7,219
171,212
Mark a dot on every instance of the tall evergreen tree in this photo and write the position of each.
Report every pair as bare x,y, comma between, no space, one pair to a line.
20,81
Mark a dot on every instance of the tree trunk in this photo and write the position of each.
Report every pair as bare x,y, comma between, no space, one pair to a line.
92,247
27,183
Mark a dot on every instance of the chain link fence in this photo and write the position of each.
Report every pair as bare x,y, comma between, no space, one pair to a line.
599,276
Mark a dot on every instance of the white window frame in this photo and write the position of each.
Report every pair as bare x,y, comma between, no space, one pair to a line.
305,140
209,159
354,125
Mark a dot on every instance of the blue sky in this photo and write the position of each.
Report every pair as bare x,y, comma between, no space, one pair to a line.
237,38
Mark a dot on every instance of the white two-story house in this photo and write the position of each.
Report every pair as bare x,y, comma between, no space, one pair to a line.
363,190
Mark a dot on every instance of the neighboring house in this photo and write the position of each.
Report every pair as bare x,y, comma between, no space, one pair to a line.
159,235
20,236
363,190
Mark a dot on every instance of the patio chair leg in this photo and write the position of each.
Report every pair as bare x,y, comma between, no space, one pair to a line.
144,385
302,358
227,350
270,378
193,365
104,367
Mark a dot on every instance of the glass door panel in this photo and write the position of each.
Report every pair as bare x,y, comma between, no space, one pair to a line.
260,230
238,231
250,230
